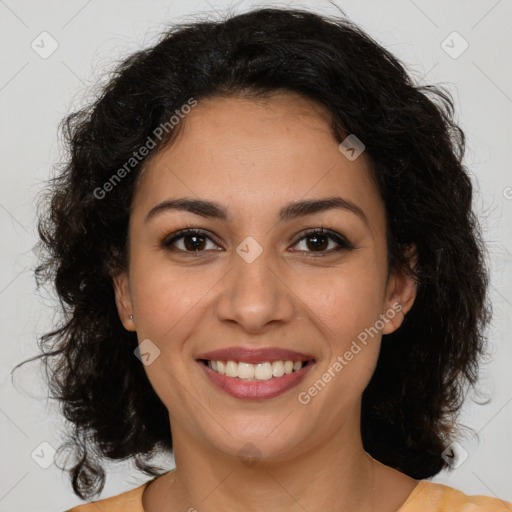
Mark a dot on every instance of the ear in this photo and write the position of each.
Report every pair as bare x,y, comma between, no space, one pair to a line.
123,300
400,294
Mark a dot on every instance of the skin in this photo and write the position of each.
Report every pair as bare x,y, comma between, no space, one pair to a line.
254,157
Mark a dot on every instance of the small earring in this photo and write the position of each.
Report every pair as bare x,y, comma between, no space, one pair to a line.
131,317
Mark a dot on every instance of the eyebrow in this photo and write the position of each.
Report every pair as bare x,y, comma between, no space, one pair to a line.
213,210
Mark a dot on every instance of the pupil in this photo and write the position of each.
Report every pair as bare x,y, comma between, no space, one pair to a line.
194,246
317,244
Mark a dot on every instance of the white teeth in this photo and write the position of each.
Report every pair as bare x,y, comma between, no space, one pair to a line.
245,371
263,371
231,369
278,368
288,367
260,371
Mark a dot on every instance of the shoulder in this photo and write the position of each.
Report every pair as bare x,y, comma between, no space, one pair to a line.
431,497
130,501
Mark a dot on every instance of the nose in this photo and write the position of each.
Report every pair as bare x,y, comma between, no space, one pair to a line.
254,296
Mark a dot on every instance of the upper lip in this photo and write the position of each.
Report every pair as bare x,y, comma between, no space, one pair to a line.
254,355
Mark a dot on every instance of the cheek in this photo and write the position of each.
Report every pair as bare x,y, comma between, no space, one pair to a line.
344,302
169,304
346,309
167,299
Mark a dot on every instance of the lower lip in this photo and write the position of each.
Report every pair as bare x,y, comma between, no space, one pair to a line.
256,389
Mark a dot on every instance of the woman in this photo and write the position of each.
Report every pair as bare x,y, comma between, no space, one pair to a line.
265,244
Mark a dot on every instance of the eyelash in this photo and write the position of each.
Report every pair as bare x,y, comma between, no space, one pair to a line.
343,243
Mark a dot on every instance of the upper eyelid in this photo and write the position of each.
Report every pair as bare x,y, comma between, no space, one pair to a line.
184,232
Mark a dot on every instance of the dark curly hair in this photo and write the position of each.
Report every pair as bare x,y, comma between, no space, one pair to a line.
416,149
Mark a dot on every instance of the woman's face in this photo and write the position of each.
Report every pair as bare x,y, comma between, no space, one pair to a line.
253,278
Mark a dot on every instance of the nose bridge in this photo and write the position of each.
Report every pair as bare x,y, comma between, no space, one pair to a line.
252,295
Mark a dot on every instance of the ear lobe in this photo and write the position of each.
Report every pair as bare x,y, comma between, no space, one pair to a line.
401,294
123,300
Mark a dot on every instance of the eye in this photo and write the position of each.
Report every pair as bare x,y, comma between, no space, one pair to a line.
315,240
318,241
190,240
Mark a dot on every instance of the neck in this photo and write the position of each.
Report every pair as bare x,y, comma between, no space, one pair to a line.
336,474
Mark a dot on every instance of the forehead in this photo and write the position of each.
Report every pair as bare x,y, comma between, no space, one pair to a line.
257,154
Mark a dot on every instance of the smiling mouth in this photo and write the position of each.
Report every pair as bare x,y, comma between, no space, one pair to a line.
262,371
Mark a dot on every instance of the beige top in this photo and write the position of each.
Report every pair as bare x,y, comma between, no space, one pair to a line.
425,497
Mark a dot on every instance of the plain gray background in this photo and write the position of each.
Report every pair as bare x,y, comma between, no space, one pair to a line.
37,90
